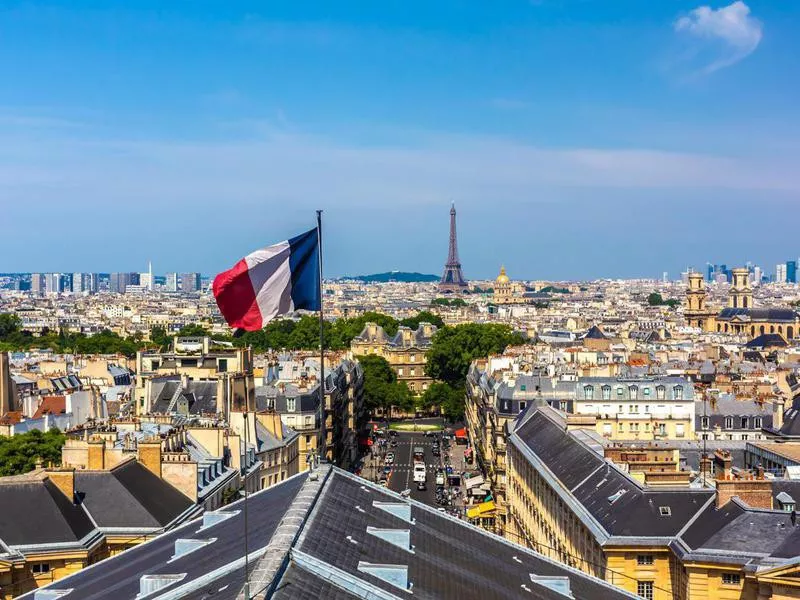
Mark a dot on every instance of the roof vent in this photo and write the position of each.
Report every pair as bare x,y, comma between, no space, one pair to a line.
559,585
50,594
396,537
616,496
185,546
665,511
216,517
401,510
396,575
150,584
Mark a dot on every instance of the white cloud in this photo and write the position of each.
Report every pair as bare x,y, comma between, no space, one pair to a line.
731,32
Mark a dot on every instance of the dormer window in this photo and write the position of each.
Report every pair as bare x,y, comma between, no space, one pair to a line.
704,422
757,423
677,392
661,392
606,392
633,392
588,392
291,404
728,422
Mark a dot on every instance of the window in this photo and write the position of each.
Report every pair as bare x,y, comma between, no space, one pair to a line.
588,392
633,391
704,422
757,423
413,371
728,422
400,372
309,421
644,589
619,391
290,404
522,406
621,427
606,392
647,392
744,422
731,579
661,392
647,409
644,559
680,430
606,428
677,392
222,365
38,568
412,358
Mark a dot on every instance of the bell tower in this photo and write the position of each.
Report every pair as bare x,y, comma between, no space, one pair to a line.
741,294
696,310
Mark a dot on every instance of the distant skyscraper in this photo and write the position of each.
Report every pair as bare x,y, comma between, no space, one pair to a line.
190,282
119,282
52,283
780,273
146,279
452,278
710,269
79,282
93,283
757,275
791,271
38,283
172,282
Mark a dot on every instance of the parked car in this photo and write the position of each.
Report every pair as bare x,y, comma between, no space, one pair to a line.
421,486
439,478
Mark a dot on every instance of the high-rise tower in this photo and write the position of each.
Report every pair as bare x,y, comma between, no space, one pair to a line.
452,278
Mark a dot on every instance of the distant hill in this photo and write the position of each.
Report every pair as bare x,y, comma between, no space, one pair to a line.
400,276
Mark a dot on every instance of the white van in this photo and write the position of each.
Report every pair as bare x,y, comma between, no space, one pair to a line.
419,473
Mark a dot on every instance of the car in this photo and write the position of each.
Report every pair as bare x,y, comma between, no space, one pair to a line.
393,443
387,469
420,473
421,486
393,433
439,478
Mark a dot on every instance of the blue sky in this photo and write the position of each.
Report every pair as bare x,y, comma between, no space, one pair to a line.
578,138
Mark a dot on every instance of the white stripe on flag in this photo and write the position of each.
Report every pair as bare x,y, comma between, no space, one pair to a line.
271,278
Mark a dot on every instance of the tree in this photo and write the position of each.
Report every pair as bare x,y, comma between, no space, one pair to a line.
448,398
9,324
159,337
425,316
655,299
193,330
19,453
454,348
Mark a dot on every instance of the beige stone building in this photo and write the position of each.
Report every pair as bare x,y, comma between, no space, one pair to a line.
405,352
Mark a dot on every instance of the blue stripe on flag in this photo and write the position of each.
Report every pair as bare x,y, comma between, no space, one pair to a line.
304,267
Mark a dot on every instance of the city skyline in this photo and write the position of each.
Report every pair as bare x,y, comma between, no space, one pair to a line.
624,140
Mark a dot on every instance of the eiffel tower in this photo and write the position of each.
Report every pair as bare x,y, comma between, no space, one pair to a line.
452,278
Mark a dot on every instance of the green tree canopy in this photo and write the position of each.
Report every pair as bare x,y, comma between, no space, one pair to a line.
193,330
447,397
454,348
425,316
19,453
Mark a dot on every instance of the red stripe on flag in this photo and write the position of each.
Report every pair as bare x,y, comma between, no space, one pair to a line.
236,298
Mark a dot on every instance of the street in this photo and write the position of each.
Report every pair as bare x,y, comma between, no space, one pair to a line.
402,472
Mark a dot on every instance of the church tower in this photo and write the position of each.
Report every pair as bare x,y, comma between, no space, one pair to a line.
696,310
741,294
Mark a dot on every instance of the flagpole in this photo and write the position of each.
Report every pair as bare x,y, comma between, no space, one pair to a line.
322,451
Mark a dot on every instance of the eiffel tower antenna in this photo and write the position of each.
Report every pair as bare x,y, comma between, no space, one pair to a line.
452,278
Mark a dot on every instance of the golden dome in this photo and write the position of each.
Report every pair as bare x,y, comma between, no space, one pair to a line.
502,278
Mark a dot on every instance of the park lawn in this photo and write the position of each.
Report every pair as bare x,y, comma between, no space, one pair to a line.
413,427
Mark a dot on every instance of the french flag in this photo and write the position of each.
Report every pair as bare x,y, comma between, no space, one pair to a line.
270,282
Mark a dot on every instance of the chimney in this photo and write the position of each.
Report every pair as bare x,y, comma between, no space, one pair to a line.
150,455
756,493
725,462
272,422
96,460
64,480
777,412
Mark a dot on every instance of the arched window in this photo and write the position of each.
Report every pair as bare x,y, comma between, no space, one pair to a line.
757,423
753,330
790,332
726,327
761,329
677,392
661,392
772,328
606,392
728,422
745,422
588,392
633,391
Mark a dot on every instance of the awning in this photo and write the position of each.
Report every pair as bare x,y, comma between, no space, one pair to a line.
480,509
461,433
